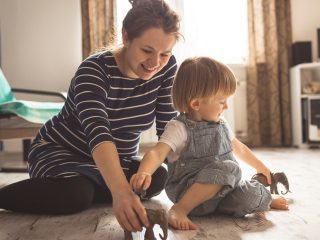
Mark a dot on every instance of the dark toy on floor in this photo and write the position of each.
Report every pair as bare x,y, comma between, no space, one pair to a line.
278,177
155,216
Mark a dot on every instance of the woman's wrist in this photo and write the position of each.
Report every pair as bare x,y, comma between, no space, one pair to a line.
121,189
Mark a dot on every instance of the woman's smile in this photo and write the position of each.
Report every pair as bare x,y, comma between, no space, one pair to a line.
149,69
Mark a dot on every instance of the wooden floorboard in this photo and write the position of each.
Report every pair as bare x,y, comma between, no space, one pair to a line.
301,222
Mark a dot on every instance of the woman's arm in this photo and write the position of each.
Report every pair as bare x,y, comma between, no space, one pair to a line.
247,156
90,86
126,204
164,107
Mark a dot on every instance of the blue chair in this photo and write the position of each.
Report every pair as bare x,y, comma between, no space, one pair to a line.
22,118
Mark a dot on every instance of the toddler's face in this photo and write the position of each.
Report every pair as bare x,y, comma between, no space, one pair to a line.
211,108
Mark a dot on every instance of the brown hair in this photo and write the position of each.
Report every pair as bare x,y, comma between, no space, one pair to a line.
201,77
146,14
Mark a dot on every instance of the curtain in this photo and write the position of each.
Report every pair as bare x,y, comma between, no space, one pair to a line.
268,96
98,25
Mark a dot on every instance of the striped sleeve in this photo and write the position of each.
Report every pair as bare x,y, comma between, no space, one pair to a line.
90,90
164,108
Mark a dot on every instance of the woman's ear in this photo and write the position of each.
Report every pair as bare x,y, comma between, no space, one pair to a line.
125,39
195,104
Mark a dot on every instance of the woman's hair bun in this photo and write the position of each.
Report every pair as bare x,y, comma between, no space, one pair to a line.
136,3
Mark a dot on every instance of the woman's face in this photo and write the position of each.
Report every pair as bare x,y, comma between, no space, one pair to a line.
148,54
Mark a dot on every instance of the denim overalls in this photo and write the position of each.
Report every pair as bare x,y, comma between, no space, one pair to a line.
207,158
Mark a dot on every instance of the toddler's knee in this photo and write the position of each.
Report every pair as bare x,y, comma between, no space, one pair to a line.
248,197
256,199
232,167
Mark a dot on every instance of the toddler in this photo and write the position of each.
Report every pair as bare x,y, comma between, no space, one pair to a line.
203,175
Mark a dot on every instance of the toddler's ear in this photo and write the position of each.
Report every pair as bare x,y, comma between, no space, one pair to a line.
195,104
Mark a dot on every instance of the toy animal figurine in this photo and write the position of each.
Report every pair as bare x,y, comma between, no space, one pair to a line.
278,177
142,194
155,216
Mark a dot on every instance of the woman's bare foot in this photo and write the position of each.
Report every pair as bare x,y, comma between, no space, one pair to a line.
178,219
279,202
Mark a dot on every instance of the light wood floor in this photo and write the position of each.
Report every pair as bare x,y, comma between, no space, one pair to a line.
302,221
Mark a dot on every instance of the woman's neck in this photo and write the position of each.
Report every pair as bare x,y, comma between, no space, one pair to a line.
120,57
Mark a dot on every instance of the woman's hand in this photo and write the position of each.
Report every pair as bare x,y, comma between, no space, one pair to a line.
127,207
129,211
140,181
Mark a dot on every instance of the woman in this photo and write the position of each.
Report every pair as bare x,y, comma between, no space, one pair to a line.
86,153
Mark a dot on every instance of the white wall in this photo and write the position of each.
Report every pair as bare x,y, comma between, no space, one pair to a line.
239,107
40,45
40,42
305,21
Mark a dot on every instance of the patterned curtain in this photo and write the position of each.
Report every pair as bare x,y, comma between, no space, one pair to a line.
269,120
98,25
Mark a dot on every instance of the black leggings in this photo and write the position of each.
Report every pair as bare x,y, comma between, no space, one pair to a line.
64,195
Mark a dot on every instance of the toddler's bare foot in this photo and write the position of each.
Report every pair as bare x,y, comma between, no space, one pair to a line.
261,215
178,219
279,202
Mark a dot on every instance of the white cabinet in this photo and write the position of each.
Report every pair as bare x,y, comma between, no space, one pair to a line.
305,104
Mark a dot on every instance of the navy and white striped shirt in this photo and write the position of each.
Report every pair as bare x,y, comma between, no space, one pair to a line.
103,105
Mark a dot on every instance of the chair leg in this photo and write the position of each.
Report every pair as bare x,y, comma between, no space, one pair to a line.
26,143
26,147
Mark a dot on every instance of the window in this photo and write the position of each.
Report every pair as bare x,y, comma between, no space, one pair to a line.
212,28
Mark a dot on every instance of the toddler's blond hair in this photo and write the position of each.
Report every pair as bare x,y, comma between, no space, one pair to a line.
201,77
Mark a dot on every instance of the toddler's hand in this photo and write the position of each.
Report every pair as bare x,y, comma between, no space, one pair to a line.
266,172
140,181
